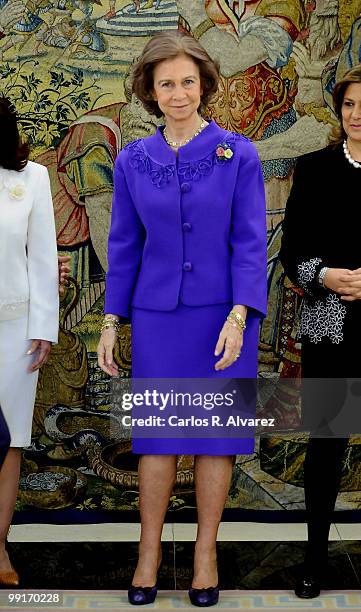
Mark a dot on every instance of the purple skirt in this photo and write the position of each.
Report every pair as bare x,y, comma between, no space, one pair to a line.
180,344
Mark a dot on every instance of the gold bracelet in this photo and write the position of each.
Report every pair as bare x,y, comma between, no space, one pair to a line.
234,324
237,321
238,317
110,317
110,323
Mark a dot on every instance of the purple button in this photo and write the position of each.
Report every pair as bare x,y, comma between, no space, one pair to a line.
187,266
185,187
187,227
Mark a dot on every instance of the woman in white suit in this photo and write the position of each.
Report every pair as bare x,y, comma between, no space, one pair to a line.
29,303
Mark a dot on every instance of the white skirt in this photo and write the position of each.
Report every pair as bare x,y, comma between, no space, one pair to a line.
17,385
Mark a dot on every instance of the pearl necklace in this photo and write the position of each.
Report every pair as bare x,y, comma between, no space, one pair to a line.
354,163
176,145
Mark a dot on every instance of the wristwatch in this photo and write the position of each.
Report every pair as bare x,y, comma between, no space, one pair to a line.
321,276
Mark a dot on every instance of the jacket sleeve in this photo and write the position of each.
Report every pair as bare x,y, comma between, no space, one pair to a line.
249,234
43,271
299,253
125,245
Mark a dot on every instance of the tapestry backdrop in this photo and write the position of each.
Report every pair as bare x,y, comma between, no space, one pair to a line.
66,65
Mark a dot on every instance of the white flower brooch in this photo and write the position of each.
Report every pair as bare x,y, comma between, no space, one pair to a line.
16,190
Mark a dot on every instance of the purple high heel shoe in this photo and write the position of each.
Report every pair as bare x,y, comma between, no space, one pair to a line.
204,597
139,596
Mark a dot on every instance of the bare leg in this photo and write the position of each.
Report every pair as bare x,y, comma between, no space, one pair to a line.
111,13
5,48
9,484
157,475
212,478
11,42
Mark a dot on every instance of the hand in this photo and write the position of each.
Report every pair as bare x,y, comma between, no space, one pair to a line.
230,340
41,349
10,14
63,271
105,352
346,283
306,66
337,279
302,58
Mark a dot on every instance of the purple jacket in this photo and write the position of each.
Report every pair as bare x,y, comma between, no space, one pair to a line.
188,229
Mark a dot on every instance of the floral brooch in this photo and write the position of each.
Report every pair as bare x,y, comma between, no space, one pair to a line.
224,152
16,191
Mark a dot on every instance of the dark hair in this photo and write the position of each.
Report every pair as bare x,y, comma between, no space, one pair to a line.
165,45
13,152
338,134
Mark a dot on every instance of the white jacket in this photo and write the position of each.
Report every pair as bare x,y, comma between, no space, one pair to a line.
28,253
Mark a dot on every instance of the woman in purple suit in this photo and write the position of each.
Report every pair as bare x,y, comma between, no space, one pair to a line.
187,264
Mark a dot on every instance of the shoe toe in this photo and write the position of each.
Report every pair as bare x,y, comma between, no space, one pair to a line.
204,597
139,596
308,588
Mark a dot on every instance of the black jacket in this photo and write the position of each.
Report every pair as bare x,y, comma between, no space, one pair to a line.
322,227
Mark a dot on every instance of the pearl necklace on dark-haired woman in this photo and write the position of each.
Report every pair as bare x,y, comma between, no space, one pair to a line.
350,159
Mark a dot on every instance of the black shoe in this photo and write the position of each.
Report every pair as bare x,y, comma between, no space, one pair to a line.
204,597
308,587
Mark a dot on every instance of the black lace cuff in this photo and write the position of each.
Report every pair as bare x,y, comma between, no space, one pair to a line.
307,276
